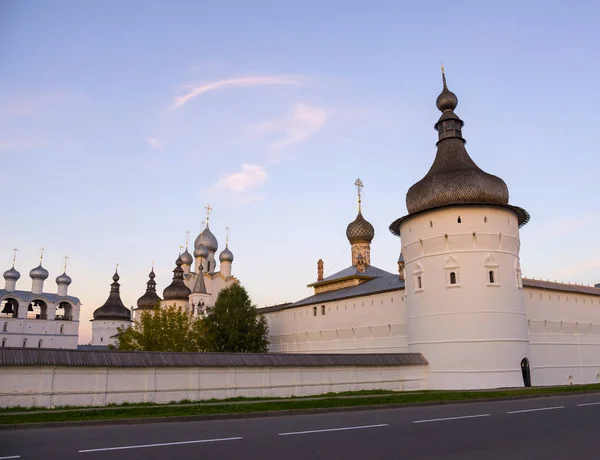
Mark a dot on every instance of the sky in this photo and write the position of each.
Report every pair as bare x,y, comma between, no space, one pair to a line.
120,121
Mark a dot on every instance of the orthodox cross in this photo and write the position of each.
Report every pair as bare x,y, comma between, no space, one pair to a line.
41,254
208,210
180,248
226,236
152,265
14,256
359,186
187,238
117,268
65,258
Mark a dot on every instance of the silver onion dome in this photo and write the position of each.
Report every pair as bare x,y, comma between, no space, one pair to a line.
186,258
207,239
63,279
12,274
39,273
360,230
226,255
201,251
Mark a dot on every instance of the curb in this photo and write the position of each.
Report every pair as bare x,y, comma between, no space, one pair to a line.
275,413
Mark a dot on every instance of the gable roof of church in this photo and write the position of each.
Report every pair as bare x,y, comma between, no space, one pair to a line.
370,272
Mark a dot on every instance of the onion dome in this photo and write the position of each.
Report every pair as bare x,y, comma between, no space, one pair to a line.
207,239
150,299
113,308
12,274
63,279
454,178
177,290
186,258
39,273
226,255
201,251
360,230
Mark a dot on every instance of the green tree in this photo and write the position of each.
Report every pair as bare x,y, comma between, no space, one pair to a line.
163,329
234,324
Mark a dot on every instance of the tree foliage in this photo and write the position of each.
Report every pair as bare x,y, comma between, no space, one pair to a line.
163,329
234,324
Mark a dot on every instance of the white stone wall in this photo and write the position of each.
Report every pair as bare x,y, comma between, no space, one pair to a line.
564,333
19,332
103,331
47,386
472,333
369,324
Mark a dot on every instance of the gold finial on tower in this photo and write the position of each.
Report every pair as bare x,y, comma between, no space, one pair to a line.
15,250
42,254
442,68
117,268
65,258
359,186
227,236
208,210
152,265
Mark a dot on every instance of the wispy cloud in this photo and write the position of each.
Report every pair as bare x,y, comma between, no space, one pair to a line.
197,90
302,122
243,185
155,143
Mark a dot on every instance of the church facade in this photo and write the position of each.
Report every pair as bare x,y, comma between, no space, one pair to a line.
459,297
37,319
195,287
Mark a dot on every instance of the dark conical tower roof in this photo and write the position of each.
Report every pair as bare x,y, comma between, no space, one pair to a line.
113,308
150,298
454,178
177,290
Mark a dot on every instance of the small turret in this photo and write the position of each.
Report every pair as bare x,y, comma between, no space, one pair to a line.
360,233
38,275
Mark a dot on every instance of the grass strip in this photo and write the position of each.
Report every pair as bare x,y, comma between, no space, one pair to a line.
285,404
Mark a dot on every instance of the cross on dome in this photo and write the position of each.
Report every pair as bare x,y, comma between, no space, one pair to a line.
208,210
65,258
359,186
15,250
42,250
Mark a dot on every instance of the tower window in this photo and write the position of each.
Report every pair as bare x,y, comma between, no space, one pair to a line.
459,220
485,220
492,276
323,309
431,223
314,311
453,277
419,283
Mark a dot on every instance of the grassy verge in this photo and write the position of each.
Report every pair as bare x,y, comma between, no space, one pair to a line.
244,406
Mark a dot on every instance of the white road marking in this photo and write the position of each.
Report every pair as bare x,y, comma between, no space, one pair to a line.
333,429
13,456
535,410
141,446
450,418
588,404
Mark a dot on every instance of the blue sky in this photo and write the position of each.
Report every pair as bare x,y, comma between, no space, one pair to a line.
120,121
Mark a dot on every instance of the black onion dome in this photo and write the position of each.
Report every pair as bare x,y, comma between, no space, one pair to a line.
360,230
454,178
177,290
150,298
113,308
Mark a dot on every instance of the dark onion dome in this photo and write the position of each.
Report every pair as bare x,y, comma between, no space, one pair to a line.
207,239
186,258
150,298
201,251
63,279
226,255
39,273
454,178
113,308
12,274
360,230
177,290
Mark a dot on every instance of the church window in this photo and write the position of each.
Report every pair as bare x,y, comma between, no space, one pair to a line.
459,220
24,343
452,277
40,343
314,311
5,327
322,309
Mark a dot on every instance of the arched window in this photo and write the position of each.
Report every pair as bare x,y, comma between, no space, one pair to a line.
492,277
452,278
40,343
24,343
322,309
459,220
314,311
3,343
419,283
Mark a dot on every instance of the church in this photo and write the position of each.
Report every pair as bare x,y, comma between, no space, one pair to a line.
459,297
195,287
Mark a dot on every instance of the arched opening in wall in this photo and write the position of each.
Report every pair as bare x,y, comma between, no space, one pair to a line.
452,278
64,311
10,308
37,309
526,371
459,220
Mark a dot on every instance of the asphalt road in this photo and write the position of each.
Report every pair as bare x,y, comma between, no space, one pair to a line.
542,428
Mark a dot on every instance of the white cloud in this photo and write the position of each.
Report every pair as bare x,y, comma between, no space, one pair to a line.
302,122
155,143
242,185
245,81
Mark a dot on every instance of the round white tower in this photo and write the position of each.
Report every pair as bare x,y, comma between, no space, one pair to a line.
460,245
